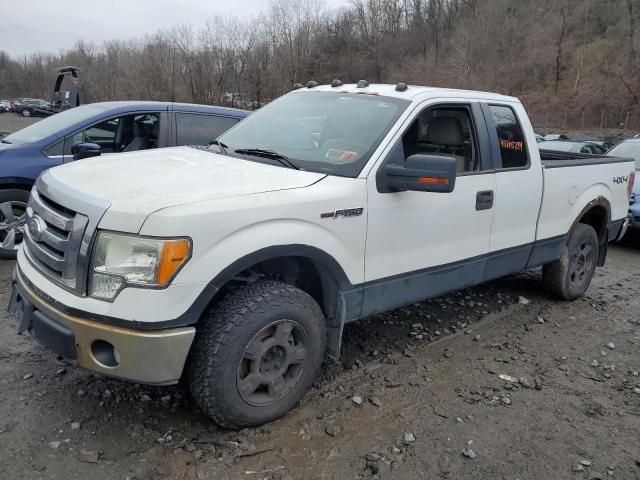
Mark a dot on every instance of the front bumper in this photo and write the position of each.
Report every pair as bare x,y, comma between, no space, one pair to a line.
154,357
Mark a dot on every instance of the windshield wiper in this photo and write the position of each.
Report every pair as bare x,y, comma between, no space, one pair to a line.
270,154
222,146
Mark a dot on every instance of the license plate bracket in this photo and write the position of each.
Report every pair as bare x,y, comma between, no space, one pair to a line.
21,309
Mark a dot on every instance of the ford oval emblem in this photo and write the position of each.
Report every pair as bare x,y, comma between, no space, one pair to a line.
36,228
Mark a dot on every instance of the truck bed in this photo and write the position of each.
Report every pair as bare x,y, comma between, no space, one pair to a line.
567,192
558,159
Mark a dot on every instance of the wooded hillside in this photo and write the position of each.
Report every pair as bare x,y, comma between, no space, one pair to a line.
572,62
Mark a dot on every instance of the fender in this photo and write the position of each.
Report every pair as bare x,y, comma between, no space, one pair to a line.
349,297
603,233
343,304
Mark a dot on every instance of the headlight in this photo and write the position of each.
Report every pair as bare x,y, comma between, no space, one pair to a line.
121,260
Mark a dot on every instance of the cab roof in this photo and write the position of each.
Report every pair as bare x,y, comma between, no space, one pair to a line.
412,92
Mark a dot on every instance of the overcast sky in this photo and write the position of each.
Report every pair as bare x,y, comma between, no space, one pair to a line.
28,26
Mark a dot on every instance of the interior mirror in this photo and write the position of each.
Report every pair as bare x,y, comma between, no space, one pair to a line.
86,150
420,173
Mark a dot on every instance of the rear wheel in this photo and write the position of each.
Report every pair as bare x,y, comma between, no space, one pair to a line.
26,112
569,276
13,208
256,353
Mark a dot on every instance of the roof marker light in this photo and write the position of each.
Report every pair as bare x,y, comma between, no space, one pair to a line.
401,87
298,86
362,84
336,83
311,84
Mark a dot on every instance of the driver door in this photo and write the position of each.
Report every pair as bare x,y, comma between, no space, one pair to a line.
130,132
422,244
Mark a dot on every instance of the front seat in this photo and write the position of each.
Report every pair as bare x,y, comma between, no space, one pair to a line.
447,134
155,133
140,140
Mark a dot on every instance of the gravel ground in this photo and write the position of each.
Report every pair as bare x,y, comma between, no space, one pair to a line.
419,394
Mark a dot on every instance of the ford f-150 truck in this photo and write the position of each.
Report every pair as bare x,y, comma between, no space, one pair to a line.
238,265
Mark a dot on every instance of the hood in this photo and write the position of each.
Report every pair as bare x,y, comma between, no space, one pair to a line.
139,183
8,146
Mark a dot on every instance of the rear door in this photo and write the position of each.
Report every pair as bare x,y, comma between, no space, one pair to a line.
200,128
518,188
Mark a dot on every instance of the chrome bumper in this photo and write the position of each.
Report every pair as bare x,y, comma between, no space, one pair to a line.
155,357
623,229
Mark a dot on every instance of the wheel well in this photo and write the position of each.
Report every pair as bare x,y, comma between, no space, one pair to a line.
308,275
597,216
15,186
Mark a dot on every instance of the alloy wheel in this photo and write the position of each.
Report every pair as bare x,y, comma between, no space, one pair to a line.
13,216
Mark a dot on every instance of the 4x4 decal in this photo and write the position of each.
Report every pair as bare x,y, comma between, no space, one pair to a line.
619,180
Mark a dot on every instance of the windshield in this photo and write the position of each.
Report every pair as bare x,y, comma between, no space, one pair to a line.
55,123
630,148
326,132
559,146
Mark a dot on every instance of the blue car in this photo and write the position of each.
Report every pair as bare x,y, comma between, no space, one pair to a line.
630,148
97,128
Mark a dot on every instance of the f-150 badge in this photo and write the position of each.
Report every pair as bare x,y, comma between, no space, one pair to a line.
344,212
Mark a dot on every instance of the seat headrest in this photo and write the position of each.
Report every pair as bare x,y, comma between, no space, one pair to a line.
139,129
445,131
155,129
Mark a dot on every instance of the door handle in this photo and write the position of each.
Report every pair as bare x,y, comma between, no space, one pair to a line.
484,200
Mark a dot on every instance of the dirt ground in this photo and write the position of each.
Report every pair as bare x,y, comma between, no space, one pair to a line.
418,395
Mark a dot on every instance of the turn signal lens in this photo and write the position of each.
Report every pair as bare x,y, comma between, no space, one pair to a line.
433,181
630,184
174,254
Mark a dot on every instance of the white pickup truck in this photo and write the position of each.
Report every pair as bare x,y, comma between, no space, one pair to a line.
238,265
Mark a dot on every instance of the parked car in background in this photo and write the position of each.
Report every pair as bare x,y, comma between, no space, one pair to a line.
539,138
555,136
631,148
30,107
110,127
5,106
591,147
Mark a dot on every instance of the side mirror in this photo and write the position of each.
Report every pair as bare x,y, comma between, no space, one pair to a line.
86,150
420,173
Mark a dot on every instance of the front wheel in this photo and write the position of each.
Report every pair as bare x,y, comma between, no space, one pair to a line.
13,208
256,353
569,276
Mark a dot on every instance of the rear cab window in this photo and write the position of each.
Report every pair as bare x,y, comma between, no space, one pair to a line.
511,141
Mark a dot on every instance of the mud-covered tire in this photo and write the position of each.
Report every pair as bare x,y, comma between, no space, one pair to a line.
18,200
569,276
227,336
